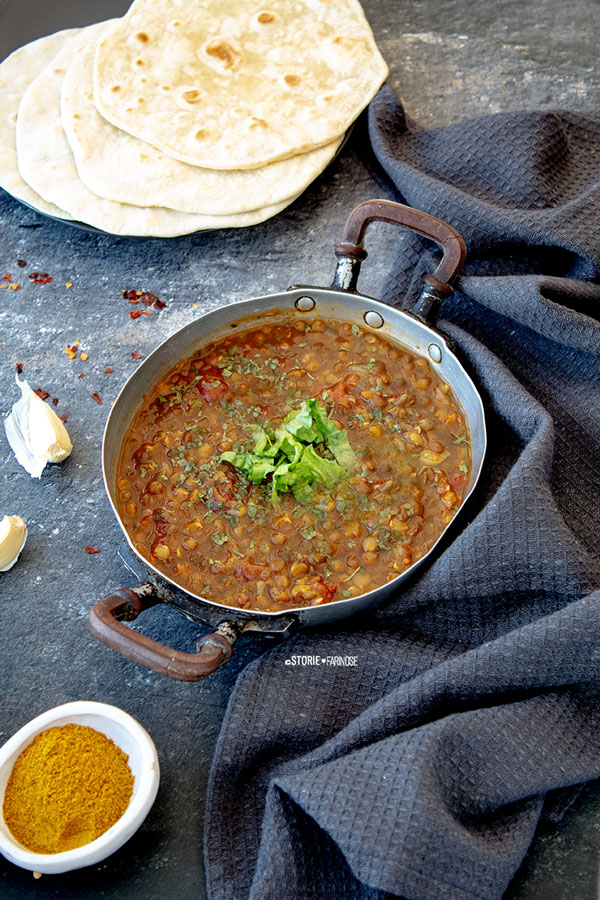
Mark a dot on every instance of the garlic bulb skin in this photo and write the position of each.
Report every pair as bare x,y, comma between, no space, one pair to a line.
35,433
13,534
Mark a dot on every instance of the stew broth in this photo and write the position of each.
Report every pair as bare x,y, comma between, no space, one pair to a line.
198,518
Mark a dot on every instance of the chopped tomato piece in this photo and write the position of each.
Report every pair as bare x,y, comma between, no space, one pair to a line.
459,481
212,386
222,494
326,591
246,568
340,394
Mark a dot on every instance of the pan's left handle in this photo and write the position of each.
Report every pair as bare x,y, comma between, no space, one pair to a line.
106,620
351,252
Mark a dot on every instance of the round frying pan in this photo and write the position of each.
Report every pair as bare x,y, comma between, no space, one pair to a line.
341,301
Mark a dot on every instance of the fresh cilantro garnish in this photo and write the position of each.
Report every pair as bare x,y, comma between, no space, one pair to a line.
287,454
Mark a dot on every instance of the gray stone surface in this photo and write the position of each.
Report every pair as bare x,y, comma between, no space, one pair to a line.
448,61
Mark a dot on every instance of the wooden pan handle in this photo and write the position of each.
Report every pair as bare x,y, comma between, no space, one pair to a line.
106,620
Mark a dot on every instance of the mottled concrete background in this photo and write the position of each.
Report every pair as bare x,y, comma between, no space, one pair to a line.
448,61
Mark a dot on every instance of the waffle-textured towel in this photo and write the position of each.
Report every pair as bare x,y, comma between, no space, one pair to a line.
424,770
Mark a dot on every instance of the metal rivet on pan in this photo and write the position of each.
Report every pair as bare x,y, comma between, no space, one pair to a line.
435,352
373,319
305,304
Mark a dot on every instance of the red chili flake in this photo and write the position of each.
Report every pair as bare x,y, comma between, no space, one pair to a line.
145,312
40,277
43,395
136,355
64,417
135,314
91,550
108,370
97,398
19,368
81,375
7,277
145,297
55,401
21,263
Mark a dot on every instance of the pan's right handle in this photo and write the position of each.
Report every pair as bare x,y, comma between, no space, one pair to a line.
351,253
106,620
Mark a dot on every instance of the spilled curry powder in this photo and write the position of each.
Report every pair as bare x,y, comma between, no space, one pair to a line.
66,789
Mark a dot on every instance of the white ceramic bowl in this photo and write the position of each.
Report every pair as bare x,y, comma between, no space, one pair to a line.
143,761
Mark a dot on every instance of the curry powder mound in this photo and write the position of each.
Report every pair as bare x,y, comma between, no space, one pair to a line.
66,789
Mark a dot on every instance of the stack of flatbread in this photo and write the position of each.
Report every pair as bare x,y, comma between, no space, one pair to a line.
184,115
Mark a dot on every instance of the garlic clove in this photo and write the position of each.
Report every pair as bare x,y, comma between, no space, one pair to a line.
13,534
35,433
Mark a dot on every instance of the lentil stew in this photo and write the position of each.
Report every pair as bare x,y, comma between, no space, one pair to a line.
197,516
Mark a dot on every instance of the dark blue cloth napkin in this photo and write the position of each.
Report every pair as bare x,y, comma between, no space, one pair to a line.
423,771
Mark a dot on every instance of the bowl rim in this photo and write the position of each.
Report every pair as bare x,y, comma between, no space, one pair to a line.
145,789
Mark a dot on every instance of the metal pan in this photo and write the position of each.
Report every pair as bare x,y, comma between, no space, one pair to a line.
341,301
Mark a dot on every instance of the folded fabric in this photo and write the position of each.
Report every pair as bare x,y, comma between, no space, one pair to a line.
423,771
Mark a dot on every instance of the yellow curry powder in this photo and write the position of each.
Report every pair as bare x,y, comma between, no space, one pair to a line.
66,789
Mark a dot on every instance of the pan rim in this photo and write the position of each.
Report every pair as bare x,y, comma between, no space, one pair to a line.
287,301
